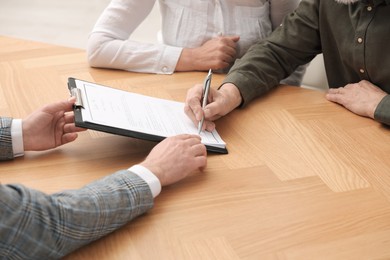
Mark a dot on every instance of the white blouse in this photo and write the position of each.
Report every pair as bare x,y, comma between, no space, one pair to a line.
185,24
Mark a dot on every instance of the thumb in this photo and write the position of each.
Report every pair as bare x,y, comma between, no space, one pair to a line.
234,38
63,105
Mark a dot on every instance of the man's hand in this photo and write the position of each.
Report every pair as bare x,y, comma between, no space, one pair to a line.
217,53
361,98
50,126
220,103
176,157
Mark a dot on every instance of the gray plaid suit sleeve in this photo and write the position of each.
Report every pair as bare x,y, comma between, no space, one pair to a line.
34,225
6,152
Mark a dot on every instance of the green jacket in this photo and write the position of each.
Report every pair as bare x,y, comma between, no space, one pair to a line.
353,39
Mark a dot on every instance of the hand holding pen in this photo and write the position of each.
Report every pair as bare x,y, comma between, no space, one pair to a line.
206,91
219,102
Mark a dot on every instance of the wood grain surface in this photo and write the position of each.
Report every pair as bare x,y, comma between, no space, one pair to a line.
304,178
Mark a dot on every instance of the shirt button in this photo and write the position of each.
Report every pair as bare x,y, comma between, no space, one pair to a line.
164,69
369,8
362,71
360,40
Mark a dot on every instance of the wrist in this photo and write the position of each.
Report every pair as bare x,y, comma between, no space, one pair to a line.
149,177
232,93
152,168
186,60
25,135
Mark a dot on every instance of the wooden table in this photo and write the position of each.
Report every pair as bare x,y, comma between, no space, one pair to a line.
304,178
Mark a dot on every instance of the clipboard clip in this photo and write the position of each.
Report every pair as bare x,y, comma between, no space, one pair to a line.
76,92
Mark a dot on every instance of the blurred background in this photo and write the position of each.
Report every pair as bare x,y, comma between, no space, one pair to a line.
66,23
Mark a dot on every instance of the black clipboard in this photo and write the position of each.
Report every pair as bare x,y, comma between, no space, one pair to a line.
80,122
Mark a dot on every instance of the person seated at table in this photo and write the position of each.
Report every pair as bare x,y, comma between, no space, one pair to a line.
35,225
351,34
196,35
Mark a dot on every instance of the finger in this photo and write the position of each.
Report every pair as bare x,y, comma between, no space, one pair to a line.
196,109
64,105
231,40
234,38
333,91
229,47
334,97
69,118
209,126
193,140
201,162
199,150
336,90
72,128
195,92
69,137
188,111
193,102
212,109
184,136
228,56
193,136
228,53
72,100
218,65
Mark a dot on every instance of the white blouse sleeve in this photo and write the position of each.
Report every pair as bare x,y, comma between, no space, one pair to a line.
279,9
109,45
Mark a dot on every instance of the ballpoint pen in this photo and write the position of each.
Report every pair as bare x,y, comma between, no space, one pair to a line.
206,90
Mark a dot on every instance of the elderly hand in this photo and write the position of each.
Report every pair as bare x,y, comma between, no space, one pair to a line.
220,103
361,98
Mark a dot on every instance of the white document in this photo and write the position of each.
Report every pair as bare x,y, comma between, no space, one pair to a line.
125,110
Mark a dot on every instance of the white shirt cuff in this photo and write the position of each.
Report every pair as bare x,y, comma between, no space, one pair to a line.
168,60
148,177
17,137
